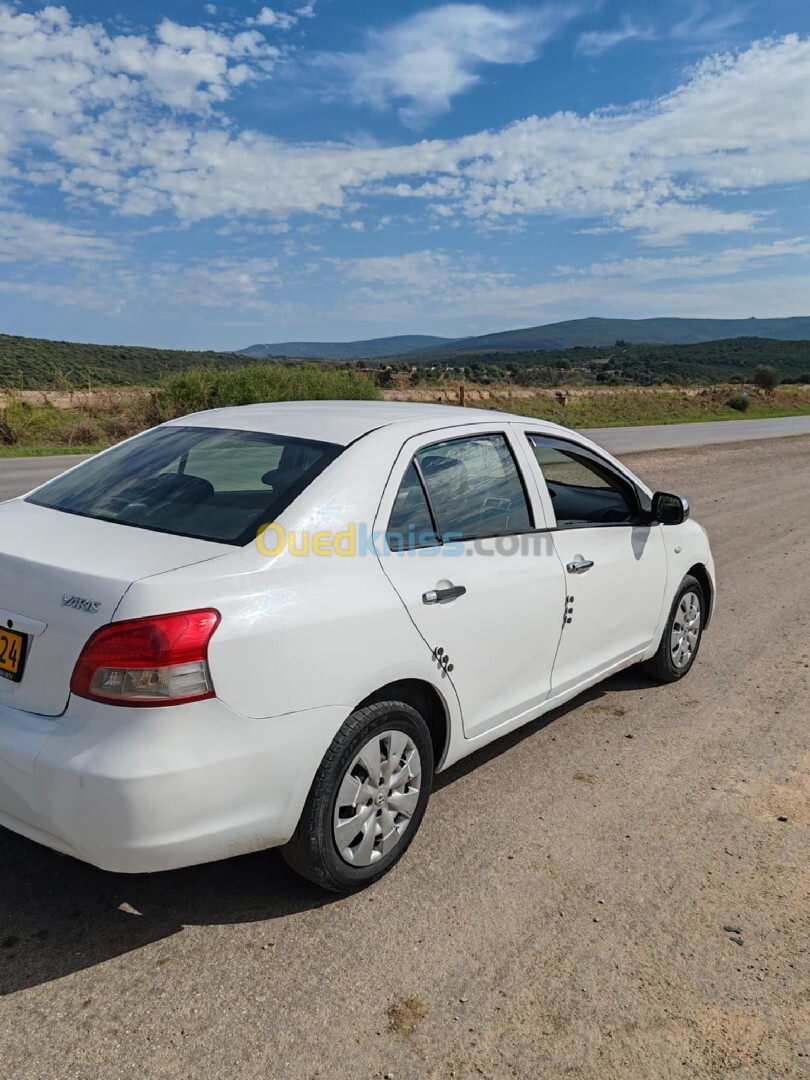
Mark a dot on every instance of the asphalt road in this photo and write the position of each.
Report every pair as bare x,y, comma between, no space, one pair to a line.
18,475
678,436
560,914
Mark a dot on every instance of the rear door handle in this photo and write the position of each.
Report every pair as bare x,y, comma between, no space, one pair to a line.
579,566
435,596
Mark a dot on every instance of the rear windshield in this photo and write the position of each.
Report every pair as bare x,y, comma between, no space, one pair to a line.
207,483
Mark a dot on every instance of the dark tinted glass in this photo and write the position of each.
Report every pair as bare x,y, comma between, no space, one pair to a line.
208,483
474,487
581,493
410,525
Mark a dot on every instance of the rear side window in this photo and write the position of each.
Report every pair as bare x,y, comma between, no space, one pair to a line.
207,483
582,492
410,525
474,487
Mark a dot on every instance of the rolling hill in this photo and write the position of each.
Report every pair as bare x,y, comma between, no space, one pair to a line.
560,335
372,349
34,363
603,332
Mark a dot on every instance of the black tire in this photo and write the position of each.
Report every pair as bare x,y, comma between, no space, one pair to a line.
662,666
312,851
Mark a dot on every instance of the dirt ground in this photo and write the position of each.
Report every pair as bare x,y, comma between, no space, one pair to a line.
564,911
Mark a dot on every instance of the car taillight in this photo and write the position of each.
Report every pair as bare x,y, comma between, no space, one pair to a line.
161,660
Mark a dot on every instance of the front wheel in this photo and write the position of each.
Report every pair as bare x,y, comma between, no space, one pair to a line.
367,799
682,634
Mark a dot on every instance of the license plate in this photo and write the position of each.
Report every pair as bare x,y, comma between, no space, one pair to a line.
12,654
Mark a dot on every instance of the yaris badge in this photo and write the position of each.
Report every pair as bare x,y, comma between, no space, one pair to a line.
80,604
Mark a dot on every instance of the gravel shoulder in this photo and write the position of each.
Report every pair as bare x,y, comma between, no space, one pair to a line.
561,912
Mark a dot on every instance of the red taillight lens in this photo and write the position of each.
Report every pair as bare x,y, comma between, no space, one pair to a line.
162,660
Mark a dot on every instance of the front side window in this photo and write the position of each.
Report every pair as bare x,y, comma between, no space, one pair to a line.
474,487
582,492
206,483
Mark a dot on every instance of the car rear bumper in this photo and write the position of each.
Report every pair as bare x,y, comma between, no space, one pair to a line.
136,790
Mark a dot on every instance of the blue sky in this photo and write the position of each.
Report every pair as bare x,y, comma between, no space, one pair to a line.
210,175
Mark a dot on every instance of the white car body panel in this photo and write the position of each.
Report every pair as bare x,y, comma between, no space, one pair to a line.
499,674
614,607
302,641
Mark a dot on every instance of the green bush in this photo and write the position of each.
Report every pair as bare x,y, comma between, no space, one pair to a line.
766,377
740,402
208,388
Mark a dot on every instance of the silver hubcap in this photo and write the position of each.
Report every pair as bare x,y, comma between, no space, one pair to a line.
685,630
377,798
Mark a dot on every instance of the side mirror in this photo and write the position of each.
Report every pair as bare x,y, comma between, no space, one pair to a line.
669,509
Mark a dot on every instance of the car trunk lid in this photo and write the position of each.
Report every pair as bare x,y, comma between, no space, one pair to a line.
62,577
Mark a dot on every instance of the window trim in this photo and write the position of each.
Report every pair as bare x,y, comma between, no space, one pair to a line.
453,537
641,515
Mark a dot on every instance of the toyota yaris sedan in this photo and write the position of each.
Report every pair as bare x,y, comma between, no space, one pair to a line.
270,626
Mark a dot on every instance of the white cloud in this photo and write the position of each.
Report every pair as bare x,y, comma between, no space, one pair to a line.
229,284
431,275
27,239
443,289
728,263
57,76
596,42
708,24
705,27
226,282
281,20
429,58
138,125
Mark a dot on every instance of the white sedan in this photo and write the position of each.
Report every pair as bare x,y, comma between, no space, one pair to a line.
272,625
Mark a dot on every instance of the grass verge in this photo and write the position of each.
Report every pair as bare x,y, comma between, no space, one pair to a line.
635,408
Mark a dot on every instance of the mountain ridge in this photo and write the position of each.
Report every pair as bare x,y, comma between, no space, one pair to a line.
570,333
368,349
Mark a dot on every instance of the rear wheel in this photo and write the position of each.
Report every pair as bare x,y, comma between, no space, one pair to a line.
367,800
682,634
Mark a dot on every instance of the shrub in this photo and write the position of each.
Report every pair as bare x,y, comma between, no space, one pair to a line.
740,402
208,388
84,432
121,427
766,377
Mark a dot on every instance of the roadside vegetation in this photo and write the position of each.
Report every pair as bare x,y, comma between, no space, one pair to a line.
636,406
76,421
58,397
209,388
82,422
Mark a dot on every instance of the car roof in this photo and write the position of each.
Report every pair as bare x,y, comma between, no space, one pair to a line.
343,422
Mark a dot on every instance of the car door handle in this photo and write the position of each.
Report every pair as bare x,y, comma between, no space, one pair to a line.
435,596
579,566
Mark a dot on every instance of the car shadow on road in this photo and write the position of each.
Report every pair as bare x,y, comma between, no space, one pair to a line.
632,679
59,915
